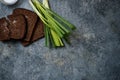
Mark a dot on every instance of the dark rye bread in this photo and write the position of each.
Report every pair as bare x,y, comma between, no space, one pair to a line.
37,34
17,26
31,18
4,31
38,31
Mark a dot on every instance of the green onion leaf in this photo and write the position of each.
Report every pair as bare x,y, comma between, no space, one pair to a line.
56,27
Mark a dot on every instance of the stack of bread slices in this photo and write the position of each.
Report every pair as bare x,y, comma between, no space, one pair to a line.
22,25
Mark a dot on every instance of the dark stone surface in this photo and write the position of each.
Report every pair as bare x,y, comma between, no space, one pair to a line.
93,55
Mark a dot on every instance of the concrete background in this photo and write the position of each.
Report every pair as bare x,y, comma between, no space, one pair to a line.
93,55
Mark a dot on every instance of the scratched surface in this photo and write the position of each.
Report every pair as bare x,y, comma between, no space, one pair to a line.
93,55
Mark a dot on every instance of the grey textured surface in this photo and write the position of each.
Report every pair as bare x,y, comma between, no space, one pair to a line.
93,55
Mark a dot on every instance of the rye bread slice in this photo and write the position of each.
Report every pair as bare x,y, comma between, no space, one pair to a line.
37,34
17,26
4,31
38,31
31,18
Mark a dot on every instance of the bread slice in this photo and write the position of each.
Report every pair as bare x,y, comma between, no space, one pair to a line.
38,31
31,18
37,34
17,26
4,31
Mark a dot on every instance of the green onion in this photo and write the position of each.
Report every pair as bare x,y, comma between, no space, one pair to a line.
56,28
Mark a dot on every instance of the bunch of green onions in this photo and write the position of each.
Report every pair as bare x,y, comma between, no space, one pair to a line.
56,28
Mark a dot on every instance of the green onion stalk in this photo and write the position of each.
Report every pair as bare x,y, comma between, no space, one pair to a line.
56,28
